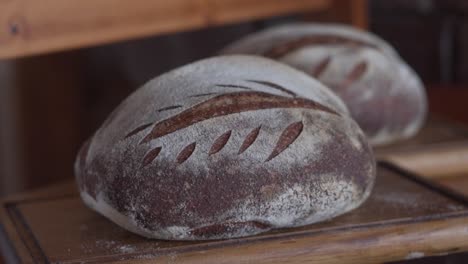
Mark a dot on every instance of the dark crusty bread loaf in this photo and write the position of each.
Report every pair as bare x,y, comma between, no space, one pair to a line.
226,147
384,95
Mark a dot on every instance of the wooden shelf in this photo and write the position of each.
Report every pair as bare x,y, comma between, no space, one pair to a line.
34,27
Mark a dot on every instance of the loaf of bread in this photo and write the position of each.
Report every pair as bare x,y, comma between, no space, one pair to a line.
226,147
384,95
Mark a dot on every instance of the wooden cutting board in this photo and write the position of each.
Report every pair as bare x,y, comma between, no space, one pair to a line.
436,130
440,148
405,217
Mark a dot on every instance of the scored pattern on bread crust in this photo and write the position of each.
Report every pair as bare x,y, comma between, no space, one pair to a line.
224,104
265,83
138,129
143,127
321,67
274,86
233,86
289,135
249,140
186,153
202,94
227,104
169,108
355,74
150,156
280,50
220,142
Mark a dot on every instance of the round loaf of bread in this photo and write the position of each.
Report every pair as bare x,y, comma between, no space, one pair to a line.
383,94
226,147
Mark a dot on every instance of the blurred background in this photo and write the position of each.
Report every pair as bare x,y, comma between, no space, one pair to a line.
49,104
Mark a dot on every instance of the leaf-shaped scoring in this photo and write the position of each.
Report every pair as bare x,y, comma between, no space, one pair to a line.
220,142
227,104
289,135
185,153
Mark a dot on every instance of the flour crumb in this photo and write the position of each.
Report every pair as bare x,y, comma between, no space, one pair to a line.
126,249
414,255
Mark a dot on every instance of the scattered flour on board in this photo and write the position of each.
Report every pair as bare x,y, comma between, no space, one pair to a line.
172,257
105,244
126,249
110,245
413,200
414,255
399,198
